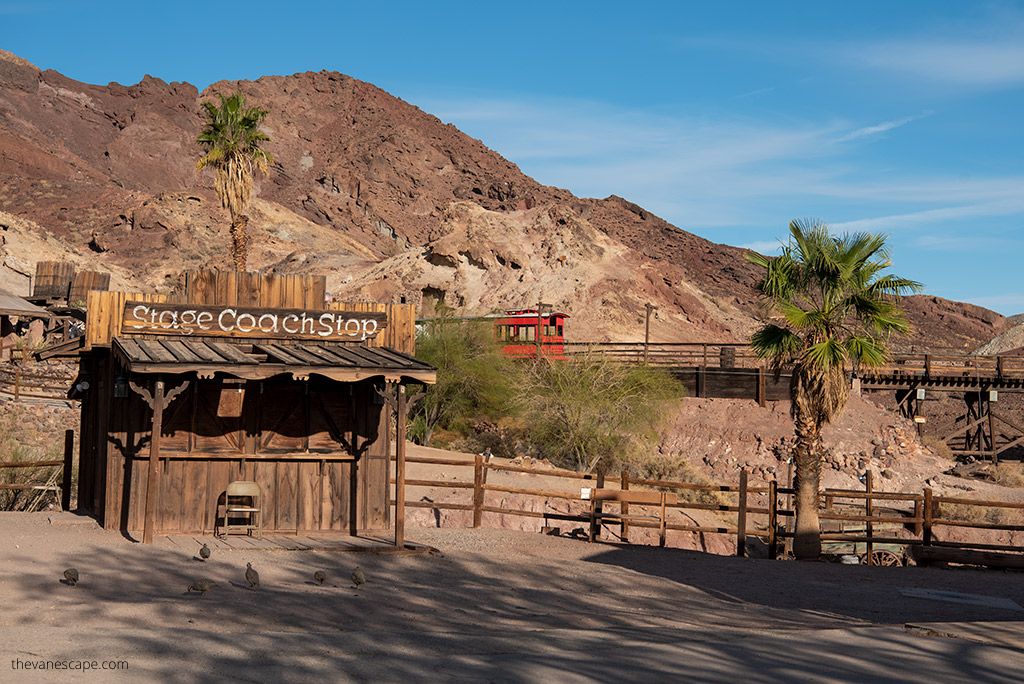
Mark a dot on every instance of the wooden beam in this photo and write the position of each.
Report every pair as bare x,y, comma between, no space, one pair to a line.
153,469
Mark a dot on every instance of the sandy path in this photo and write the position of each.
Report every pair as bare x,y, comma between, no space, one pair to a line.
497,605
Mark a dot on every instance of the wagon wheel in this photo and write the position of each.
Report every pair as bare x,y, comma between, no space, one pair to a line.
883,557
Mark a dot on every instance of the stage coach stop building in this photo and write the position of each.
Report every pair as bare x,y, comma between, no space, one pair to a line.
243,376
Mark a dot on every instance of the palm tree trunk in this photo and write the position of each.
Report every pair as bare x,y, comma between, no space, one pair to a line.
239,241
807,455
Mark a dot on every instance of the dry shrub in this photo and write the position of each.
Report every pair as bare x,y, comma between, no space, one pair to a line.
938,447
677,469
1007,475
12,450
981,514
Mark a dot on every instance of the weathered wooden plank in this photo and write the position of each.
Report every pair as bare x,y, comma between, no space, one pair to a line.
156,351
203,351
182,354
280,353
308,495
134,351
286,505
231,352
307,357
266,477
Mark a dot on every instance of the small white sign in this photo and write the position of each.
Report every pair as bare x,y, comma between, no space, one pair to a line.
585,493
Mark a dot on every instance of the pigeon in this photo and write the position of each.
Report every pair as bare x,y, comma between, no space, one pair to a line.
251,576
358,578
71,575
319,576
202,586
204,552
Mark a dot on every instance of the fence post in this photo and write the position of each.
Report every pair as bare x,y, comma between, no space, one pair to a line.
598,509
478,489
773,519
69,453
762,400
17,383
624,506
927,533
869,511
741,517
918,511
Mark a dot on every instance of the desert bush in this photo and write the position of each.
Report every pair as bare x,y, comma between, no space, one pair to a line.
12,450
938,447
980,514
1007,475
676,469
588,412
474,379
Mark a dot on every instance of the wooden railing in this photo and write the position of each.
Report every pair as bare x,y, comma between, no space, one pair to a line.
40,382
671,354
63,472
910,519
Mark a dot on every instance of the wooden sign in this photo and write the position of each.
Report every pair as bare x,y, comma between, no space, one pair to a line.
152,318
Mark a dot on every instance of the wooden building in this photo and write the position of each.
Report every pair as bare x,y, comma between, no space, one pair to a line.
243,376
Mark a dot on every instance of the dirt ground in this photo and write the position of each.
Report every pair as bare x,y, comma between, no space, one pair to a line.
493,605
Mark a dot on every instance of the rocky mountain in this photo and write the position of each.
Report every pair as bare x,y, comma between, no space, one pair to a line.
388,201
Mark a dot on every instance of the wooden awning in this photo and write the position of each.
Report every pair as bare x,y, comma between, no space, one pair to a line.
256,361
13,305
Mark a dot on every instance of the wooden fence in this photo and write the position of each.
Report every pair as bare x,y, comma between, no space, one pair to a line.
909,521
63,472
41,382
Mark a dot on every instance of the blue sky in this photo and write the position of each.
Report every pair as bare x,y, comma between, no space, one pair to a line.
727,119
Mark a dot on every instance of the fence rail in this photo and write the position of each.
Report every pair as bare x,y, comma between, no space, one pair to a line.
30,382
59,480
911,520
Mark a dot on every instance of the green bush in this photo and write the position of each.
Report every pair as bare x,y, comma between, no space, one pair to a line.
588,412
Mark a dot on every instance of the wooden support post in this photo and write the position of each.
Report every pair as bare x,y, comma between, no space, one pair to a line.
773,519
647,329
927,532
927,365
69,462
400,428
869,511
624,506
702,381
918,510
478,491
17,382
153,469
991,429
741,516
598,509
663,523
761,389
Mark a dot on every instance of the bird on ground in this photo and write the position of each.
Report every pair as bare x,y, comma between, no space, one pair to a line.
319,576
251,576
202,586
204,552
71,575
358,578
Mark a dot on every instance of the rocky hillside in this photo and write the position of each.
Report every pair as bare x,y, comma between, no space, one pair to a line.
388,201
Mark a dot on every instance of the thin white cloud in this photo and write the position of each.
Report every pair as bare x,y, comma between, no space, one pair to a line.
878,128
1003,208
984,63
763,246
754,93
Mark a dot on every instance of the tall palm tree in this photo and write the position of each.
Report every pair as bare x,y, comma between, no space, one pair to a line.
231,139
829,308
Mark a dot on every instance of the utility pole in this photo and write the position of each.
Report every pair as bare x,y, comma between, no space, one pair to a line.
540,319
647,328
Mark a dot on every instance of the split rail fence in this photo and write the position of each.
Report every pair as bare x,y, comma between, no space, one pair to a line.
34,382
908,520
57,480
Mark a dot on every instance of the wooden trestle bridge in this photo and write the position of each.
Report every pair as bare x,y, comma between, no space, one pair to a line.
983,415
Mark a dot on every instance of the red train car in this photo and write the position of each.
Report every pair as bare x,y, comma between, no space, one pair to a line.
520,329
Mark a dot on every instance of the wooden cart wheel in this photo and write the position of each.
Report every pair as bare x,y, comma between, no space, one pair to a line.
883,557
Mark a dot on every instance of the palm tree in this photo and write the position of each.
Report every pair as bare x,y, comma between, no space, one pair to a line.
231,139
829,307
